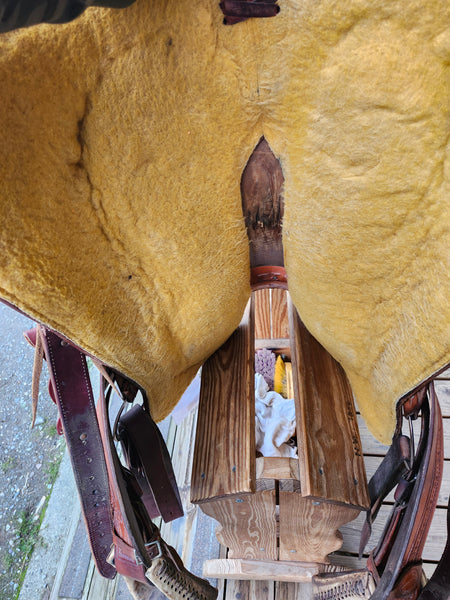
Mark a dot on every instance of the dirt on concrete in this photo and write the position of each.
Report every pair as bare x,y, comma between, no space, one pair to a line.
29,459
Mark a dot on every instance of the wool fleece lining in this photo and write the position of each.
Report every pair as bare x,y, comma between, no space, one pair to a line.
124,137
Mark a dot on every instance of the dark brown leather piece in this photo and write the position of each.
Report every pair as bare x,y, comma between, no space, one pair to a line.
412,405
393,467
408,584
236,11
263,206
149,461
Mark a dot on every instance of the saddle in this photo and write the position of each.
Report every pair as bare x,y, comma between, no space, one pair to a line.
125,132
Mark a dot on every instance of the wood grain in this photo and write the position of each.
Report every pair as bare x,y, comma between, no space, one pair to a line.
330,450
248,524
263,321
434,545
309,529
293,591
274,467
280,320
249,590
242,569
224,455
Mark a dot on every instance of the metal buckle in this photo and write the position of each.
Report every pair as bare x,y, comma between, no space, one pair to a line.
110,558
147,547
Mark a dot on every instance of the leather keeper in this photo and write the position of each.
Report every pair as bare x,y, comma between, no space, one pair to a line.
268,277
123,558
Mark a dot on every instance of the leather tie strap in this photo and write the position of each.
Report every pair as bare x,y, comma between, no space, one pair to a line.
148,459
236,11
73,393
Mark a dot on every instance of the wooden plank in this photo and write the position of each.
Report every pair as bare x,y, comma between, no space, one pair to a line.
434,545
351,562
331,461
444,375
249,590
293,591
263,319
281,344
275,467
97,587
371,446
224,456
277,570
309,529
442,387
175,532
248,524
201,544
372,463
280,320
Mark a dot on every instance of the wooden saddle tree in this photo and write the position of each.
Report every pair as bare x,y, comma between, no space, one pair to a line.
279,517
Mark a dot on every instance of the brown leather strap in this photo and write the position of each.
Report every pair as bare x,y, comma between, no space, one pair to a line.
149,461
73,393
139,551
133,529
402,543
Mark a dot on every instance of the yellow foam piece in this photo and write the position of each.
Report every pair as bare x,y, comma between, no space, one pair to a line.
279,378
123,138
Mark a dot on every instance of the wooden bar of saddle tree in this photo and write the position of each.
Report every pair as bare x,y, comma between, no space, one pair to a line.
224,454
329,447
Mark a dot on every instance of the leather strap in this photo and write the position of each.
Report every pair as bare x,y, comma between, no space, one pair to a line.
403,541
73,393
129,553
393,467
148,459
138,550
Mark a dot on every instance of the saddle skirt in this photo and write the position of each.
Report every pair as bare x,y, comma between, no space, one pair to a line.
124,137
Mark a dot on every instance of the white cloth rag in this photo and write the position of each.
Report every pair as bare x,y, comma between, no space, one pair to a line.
275,421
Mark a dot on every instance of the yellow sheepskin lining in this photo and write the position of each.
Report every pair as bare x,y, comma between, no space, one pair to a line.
123,138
